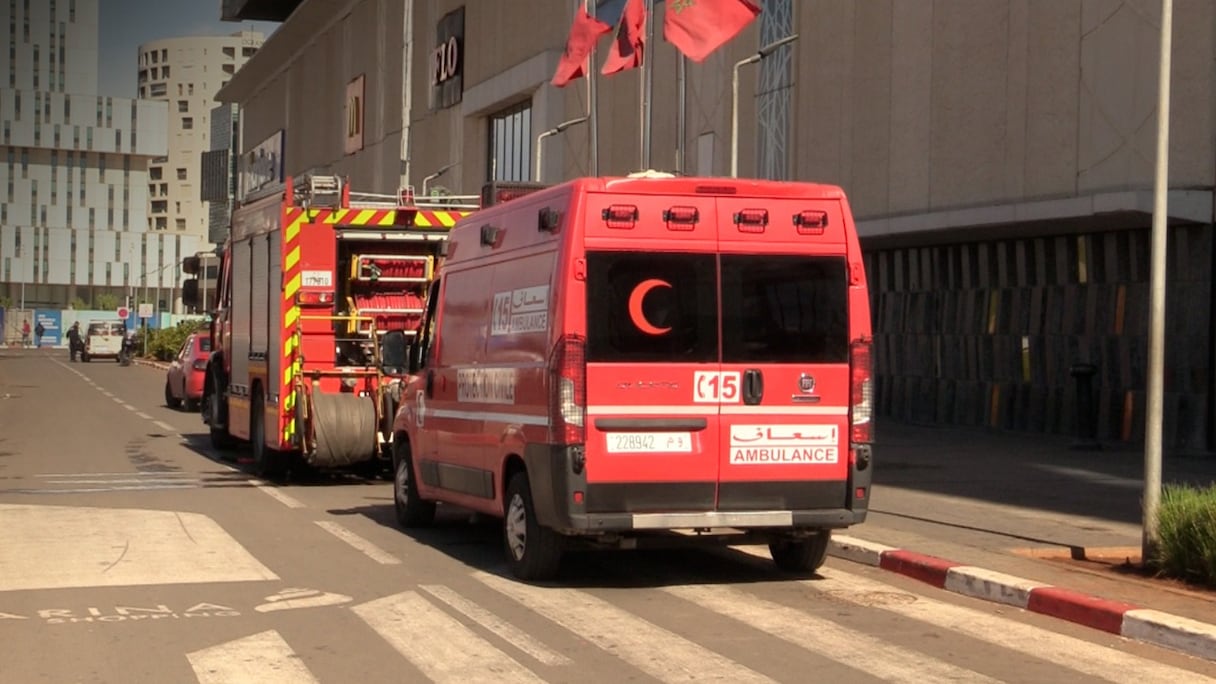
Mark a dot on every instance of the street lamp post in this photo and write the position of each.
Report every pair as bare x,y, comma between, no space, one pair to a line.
552,131
426,181
1150,538
734,97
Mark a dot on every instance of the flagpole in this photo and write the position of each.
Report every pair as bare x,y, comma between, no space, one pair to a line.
682,107
593,126
647,84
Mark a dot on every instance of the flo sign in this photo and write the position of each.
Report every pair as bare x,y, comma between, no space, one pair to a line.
447,61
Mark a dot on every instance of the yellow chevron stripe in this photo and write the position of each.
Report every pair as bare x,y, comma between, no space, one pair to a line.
336,216
389,218
446,218
421,220
293,286
292,258
292,315
364,217
293,228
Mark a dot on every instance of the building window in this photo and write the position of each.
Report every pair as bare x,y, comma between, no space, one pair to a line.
510,157
181,174
181,223
189,88
187,123
67,109
118,139
164,71
155,172
183,105
161,223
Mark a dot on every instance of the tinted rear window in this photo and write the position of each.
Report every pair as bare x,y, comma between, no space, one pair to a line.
788,309
204,344
663,307
105,329
652,307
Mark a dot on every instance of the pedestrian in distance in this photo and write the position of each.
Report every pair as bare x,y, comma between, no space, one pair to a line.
74,342
25,334
39,331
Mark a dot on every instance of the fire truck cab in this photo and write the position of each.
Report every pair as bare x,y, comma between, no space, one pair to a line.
614,359
311,279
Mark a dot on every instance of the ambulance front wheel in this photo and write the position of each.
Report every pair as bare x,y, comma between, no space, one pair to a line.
533,552
412,510
801,554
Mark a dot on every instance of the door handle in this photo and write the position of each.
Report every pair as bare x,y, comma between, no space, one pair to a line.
430,383
753,386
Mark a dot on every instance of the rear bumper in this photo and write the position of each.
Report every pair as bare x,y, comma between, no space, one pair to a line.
557,473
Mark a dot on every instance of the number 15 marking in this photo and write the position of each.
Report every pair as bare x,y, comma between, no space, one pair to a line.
713,387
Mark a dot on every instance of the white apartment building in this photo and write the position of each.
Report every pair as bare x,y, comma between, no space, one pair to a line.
74,168
187,73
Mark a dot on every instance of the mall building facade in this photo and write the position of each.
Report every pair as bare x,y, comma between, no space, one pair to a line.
999,158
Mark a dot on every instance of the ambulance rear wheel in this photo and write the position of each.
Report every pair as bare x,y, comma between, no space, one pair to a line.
533,552
802,554
412,511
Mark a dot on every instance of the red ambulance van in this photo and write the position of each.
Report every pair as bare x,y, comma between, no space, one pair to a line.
612,358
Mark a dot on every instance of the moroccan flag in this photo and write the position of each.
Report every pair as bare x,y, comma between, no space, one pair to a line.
698,27
630,44
584,34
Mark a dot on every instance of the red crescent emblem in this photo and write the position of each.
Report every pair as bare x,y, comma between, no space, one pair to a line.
635,306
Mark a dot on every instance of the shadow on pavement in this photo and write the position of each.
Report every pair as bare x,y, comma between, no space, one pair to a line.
476,541
1031,471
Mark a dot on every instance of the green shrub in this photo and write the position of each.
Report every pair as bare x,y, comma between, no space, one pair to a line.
1186,526
163,344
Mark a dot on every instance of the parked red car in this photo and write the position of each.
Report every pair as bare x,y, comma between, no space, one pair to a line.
184,380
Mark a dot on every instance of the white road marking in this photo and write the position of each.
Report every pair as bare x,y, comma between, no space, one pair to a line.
658,652
57,547
291,599
437,644
505,630
124,481
164,426
860,651
273,492
1075,654
137,473
116,400
260,659
129,407
143,415
359,543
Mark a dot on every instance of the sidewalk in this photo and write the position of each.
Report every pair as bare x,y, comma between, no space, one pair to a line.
978,512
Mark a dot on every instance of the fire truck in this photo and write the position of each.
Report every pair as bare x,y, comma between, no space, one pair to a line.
313,279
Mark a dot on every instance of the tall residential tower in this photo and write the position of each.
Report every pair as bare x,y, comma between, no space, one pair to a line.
74,168
187,73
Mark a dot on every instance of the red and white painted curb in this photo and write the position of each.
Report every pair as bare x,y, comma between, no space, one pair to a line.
1124,619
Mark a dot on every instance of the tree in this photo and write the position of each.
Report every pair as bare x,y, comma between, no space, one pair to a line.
105,301
6,302
79,304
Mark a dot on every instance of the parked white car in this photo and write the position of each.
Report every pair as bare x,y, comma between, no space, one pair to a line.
103,340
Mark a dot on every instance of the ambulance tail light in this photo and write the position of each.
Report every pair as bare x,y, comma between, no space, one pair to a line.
568,391
315,299
861,381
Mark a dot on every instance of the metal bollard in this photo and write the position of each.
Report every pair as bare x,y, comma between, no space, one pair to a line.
1087,419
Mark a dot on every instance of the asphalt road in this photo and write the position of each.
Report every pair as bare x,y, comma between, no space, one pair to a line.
130,553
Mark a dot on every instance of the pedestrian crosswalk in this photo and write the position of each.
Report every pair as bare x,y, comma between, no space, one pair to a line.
485,627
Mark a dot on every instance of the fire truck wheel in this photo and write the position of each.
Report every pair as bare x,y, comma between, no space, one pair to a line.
803,554
220,439
269,463
412,510
533,552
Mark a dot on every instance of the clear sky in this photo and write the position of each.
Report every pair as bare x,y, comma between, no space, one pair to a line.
127,24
